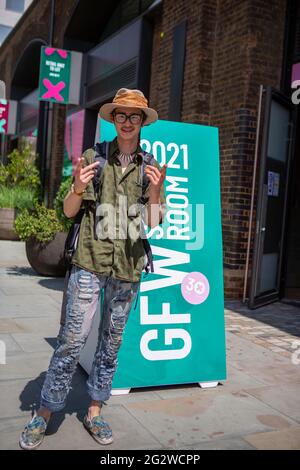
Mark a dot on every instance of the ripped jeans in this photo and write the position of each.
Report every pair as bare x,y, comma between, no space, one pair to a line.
83,294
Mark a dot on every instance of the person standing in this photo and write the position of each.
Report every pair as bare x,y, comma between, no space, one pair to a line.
112,262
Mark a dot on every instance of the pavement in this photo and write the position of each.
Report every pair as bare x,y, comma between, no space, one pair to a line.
257,407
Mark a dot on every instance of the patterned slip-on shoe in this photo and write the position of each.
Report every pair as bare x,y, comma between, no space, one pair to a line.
34,433
99,429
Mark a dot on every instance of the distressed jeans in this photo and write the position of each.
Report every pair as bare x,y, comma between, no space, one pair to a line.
83,294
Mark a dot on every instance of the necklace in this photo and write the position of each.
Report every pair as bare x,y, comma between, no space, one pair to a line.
125,158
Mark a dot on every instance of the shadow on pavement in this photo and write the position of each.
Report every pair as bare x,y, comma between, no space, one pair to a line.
77,402
57,283
21,271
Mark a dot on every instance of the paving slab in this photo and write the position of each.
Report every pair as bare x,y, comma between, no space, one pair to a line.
21,366
16,284
29,342
221,444
9,343
266,366
19,305
285,398
21,396
205,416
46,326
287,439
13,253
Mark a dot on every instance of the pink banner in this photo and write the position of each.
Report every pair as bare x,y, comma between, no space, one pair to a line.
296,72
4,113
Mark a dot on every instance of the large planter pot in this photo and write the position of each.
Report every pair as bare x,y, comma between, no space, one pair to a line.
7,220
47,258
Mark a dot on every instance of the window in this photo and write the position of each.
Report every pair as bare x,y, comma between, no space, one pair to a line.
4,30
15,5
125,12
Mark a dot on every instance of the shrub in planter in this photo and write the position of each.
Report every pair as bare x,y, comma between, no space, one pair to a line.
12,200
45,232
45,239
19,189
40,223
16,197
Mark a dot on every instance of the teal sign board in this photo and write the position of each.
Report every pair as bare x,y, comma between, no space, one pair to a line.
54,80
176,334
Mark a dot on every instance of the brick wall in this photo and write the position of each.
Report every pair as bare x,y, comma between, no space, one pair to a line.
231,48
200,16
248,52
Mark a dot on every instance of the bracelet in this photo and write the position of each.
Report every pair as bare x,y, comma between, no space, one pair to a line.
73,190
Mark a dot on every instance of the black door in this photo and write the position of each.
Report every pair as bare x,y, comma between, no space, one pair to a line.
271,209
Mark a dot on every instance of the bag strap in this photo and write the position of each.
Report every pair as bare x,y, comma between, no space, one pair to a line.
101,154
148,159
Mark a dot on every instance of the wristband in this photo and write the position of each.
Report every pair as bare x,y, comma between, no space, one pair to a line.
73,190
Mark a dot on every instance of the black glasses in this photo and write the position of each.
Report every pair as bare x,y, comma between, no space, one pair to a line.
121,118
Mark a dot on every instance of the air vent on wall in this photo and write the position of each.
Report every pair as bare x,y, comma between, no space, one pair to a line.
122,60
101,89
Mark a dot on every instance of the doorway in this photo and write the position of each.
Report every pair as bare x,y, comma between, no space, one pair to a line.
276,155
290,290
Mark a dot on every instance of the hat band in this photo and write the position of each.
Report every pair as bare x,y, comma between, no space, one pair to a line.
134,101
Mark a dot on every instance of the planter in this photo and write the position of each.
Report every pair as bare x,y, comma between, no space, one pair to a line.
47,258
7,219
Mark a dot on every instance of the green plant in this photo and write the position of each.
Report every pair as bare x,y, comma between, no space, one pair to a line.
4,174
16,197
21,171
59,203
40,223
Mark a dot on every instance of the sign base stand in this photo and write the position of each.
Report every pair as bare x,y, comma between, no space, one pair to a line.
208,384
120,391
126,391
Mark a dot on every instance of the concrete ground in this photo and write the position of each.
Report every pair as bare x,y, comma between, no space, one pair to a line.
257,407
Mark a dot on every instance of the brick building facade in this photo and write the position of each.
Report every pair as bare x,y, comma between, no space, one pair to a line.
231,47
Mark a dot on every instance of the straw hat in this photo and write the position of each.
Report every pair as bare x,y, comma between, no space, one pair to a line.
129,99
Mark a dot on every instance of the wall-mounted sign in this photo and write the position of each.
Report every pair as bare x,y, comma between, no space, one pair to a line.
273,183
4,109
8,116
60,73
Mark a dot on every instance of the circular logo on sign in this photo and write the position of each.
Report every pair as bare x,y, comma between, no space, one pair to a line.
195,288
